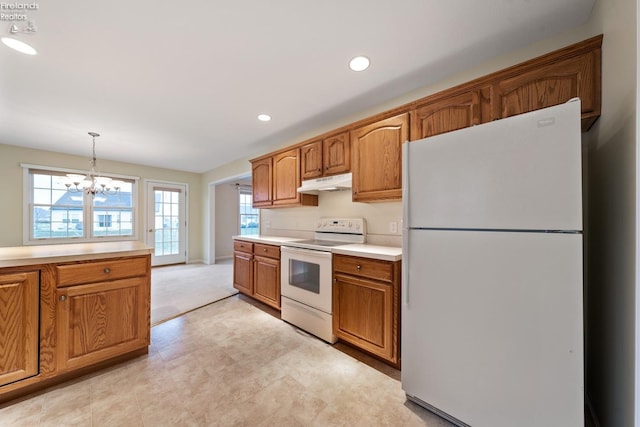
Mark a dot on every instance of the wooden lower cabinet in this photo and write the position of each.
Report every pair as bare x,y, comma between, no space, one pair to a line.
366,305
19,325
266,280
60,320
101,320
256,271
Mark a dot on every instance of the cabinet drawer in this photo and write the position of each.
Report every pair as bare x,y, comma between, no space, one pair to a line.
74,274
242,246
268,251
363,267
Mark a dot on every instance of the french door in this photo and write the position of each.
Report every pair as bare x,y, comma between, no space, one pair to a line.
167,222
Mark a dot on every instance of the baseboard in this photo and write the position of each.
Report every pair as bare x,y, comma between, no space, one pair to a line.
223,258
196,261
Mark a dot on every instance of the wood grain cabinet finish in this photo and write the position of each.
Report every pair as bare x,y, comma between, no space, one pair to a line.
538,87
19,325
286,177
243,266
450,113
377,158
100,319
366,310
266,274
256,271
325,157
261,180
276,180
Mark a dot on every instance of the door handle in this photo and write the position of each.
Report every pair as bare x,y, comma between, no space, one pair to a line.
151,230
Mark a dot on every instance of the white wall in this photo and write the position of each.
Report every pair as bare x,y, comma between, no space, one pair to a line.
226,219
297,221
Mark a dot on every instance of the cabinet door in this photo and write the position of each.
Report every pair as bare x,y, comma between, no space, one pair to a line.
363,314
266,276
377,157
545,86
286,177
337,154
261,182
19,304
311,160
446,115
99,321
243,272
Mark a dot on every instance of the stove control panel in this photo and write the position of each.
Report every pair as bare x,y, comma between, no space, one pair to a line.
341,225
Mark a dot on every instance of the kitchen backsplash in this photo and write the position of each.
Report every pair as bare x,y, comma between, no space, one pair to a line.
301,221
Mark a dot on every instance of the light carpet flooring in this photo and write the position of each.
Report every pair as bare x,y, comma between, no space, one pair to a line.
177,289
231,363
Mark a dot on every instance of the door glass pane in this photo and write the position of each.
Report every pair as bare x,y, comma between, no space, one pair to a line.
167,223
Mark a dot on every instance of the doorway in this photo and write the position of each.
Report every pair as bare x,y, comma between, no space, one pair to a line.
166,222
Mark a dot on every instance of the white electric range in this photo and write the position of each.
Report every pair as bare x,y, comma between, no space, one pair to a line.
306,284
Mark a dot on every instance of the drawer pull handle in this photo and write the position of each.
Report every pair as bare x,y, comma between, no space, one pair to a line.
107,270
62,297
358,267
264,249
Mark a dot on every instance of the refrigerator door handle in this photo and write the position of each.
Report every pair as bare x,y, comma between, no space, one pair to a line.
404,281
404,288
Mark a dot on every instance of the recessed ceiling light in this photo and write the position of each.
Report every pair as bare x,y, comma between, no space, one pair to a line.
18,45
264,117
359,63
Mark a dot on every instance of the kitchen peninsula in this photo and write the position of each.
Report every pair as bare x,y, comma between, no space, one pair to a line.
70,309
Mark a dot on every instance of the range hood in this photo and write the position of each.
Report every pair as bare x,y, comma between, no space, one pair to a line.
327,183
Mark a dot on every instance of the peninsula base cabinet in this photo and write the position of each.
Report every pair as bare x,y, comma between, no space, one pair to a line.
61,320
19,306
366,305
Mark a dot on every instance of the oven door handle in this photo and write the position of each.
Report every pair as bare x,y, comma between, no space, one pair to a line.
309,252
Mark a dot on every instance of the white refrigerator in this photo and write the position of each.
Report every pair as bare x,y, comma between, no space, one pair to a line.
492,296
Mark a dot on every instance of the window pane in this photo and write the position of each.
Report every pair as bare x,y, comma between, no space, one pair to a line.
57,213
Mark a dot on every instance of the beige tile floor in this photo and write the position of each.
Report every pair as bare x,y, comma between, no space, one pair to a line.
231,363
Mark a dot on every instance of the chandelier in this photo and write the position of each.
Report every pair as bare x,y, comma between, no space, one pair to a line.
91,183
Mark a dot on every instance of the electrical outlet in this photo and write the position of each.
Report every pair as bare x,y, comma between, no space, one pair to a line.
393,227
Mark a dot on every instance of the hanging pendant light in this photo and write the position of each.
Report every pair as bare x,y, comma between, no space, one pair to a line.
91,183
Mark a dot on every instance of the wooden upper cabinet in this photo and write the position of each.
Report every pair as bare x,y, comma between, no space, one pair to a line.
19,325
261,177
447,114
311,160
377,157
539,86
286,177
329,156
336,154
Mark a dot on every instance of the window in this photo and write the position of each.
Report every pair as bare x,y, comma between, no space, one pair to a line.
60,216
249,217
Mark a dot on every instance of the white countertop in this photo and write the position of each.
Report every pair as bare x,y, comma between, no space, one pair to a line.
270,240
47,254
386,253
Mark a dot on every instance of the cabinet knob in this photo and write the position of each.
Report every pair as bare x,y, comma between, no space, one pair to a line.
358,267
62,297
107,270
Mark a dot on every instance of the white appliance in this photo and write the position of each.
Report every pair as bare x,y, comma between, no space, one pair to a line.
305,279
326,183
492,311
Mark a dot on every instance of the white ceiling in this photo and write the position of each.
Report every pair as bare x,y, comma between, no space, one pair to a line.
179,84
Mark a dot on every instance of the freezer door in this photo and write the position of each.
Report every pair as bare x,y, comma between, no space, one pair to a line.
492,326
522,172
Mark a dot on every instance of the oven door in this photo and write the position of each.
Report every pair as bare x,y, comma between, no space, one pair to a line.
306,277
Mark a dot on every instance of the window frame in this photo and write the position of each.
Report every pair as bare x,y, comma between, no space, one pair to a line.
88,208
